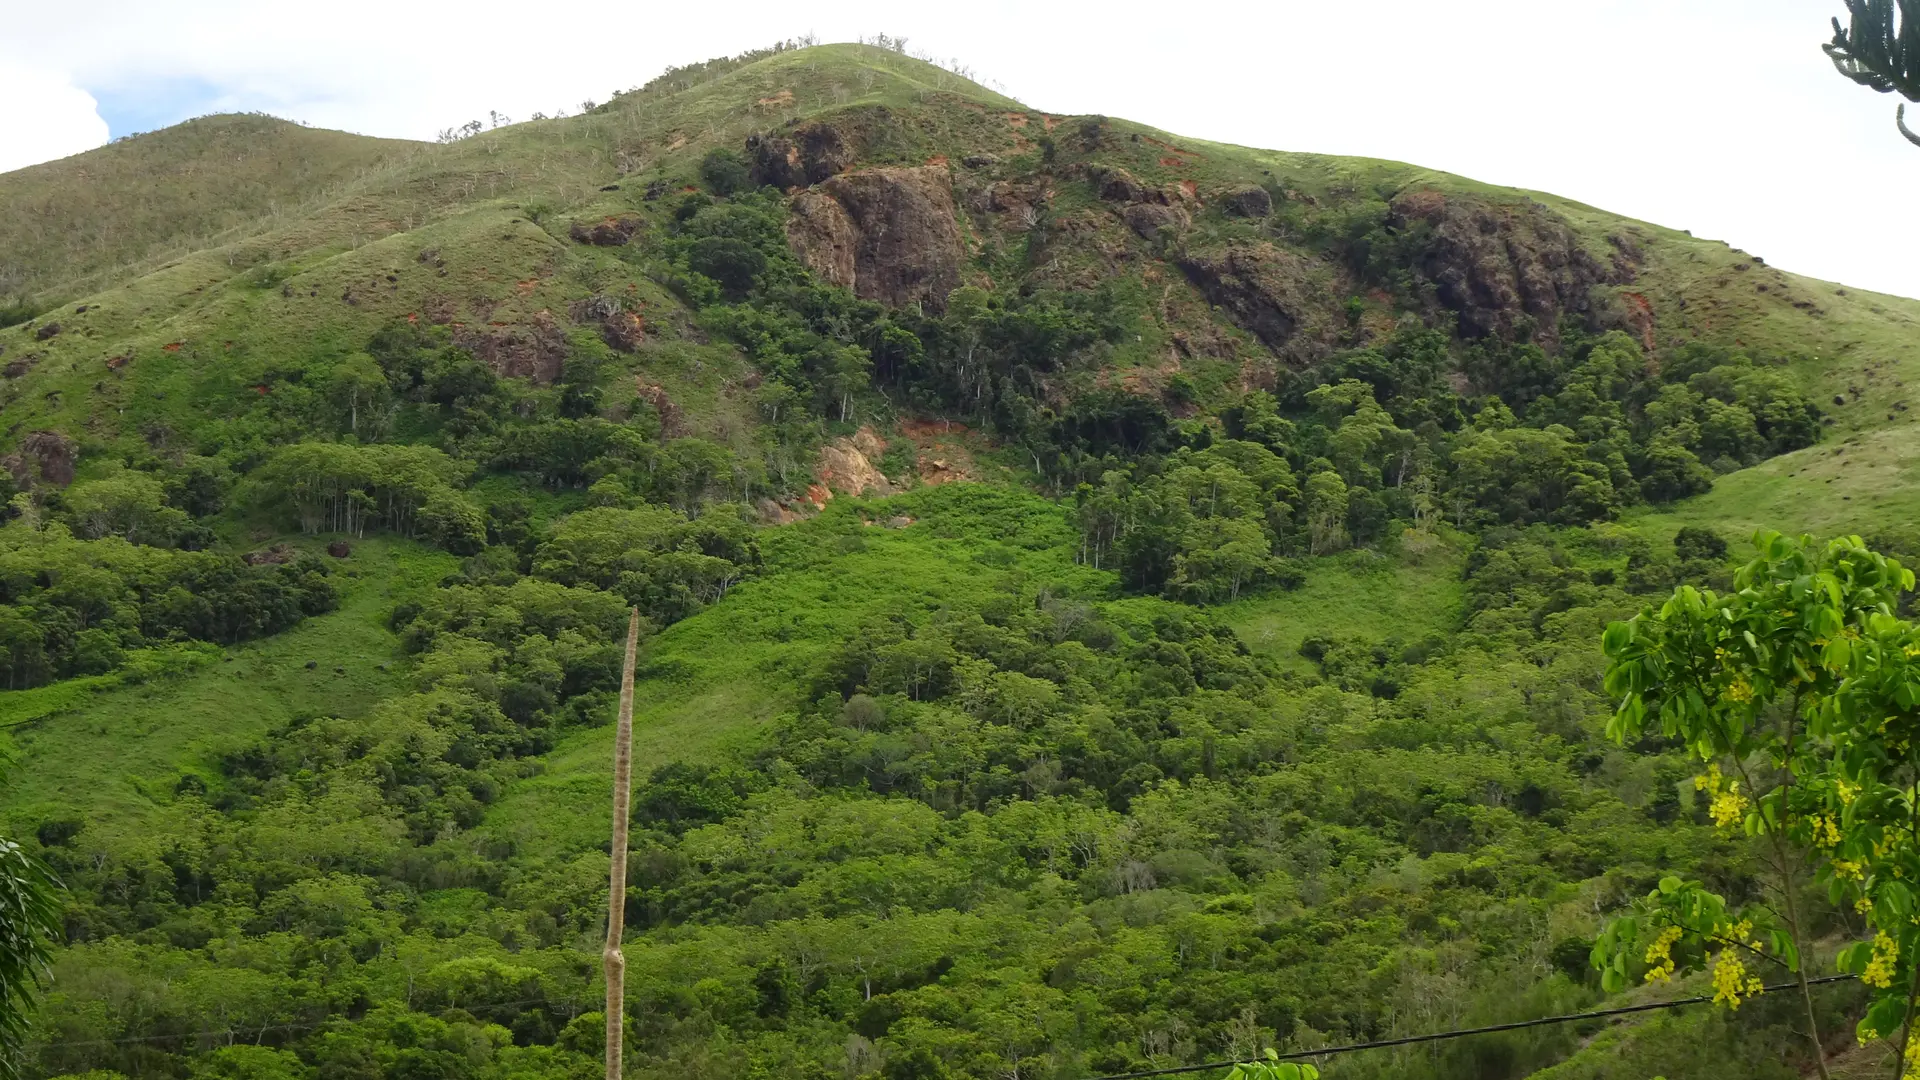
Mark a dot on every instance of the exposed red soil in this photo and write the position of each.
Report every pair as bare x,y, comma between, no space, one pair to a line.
1640,317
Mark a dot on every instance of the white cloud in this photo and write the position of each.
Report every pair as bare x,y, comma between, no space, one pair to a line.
44,117
1720,116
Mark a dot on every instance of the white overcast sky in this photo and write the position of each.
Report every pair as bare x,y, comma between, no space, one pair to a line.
1719,116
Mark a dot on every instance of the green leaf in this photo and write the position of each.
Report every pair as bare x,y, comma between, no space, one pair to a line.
1896,898
1887,1013
1617,636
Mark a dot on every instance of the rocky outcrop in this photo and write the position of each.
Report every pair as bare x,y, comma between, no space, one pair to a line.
607,232
1504,270
850,465
1115,184
619,328
1147,211
533,350
802,157
1012,205
890,235
1266,290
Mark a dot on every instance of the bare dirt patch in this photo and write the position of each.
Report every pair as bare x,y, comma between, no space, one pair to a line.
941,452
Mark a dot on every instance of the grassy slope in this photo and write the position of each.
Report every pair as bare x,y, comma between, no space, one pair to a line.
713,680
1355,595
87,219
1852,484
278,284
115,759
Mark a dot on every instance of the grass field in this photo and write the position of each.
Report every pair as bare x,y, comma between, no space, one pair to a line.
1850,484
115,755
1355,595
714,679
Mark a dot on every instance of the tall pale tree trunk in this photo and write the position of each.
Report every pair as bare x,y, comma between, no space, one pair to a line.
616,964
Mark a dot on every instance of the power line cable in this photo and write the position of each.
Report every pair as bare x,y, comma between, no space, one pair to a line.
1328,1051
1325,1051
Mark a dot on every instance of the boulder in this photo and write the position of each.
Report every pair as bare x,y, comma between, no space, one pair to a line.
1247,202
1147,219
339,549
1115,184
890,235
52,454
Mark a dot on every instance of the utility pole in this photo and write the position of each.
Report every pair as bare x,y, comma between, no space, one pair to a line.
616,964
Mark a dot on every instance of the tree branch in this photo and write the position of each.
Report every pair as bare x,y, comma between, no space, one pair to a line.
1900,121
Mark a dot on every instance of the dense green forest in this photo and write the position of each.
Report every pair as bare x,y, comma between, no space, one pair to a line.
1205,655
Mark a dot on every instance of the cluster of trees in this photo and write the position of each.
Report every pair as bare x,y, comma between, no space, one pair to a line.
654,558
1206,526
1376,439
345,487
77,607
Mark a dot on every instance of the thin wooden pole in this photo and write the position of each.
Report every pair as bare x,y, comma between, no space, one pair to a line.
616,963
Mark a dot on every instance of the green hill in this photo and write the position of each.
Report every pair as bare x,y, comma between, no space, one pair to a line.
1115,601
99,218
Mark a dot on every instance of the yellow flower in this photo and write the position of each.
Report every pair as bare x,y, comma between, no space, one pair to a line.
1845,869
1731,981
1880,968
1825,833
1912,1056
1845,790
1709,782
1659,955
1728,807
1739,691
1863,905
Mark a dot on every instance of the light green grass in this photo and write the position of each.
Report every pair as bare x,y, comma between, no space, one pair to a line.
714,680
1855,484
1356,595
110,759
